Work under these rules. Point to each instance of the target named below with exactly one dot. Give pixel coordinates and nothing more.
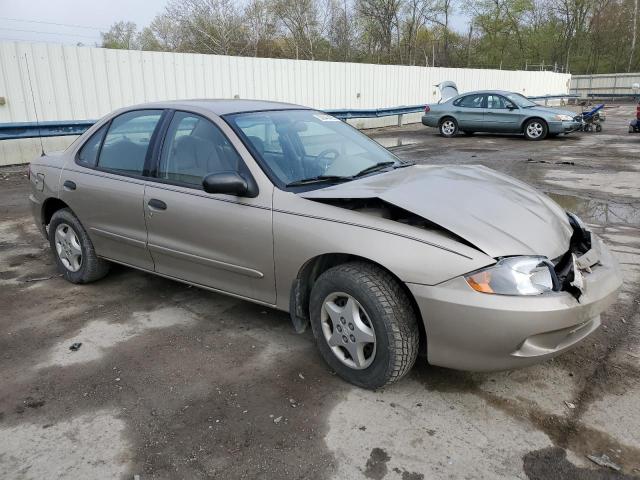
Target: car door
(218, 241)
(104, 186)
(501, 114)
(469, 111)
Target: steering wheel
(324, 155)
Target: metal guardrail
(375, 113)
(11, 131)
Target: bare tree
(260, 24)
(341, 28)
(382, 18)
(634, 35)
(300, 23)
(120, 35)
(213, 26)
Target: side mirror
(511, 107)
(230, 183)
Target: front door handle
(69, 185)
(155, 204)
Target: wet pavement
(174, 382)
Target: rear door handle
(155, 204)
(69, 185)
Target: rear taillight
(427, 109)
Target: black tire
(390, 312)
(448, 127)
(598, 127)
(468, 133)
(538, 126)
(92, 267)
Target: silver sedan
(498, 112)
(288, 207)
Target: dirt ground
(175, 382)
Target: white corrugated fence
(79, 83)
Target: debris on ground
(75, 346)
(301, 376)
(40, 279)
(604, 461)
(570, 405)
(277, 419)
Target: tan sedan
(291, 208)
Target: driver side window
(193, 148)
(498, 102)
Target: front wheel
(448, 127)
(535, 129)
(364, 324)
(73, 251)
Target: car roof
(498, 92)
(224, 106)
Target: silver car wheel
(68, 247)
(535, 129)
(448, 127)
(348, 330)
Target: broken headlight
(515, 276)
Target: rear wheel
(73, 251)
(535, 129)
(448, 127)
(364, 324)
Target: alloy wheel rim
(534, 129)
(68, 247)
(448, 127)
(348, 330)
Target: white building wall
(79, 83)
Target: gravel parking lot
(176, 382)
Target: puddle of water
(389, 142)
(598, 211)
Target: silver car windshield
(520, 100)
(300, 147)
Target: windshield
(305, 146)
(520, 100)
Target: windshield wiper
(405, 164)
(318, 179)
(374, 168)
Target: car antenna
(33, 99)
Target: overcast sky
(74, 21)
(80, 21)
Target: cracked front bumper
(474, 331)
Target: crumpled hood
(496, 213)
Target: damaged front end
(581, 256)
(535, 275)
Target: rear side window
(470, 101)
(88, 154)
(125, 146)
